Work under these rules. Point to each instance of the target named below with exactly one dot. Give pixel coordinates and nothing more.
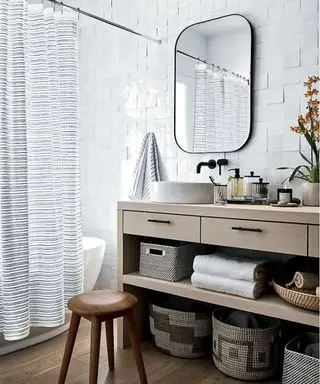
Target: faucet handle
(222, 162)
(212, 164)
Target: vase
(310, 194)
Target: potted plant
(309, 127)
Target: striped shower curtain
(221, 112)
(41, 263)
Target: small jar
(248, 181)
(260, 190)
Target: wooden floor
(40, 365)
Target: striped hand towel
(147, 168)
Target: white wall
(127, 90)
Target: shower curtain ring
(61, 7)
(78, 13)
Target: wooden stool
(98, 307)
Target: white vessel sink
(181, 192)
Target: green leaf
(315, 175)
(303, 178)
(298, 170)
(311, 141)
(284, 168)
(311, 124)
(305, 158)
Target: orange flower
(309, 122)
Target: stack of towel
(237, 276)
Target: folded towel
(222, 265)
(243, 288)
(147, 168)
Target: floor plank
(40, 364)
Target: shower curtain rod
(124, 28)
(214, 65)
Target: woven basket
(299, 368)
(299, 299)
(181, 333)
(167, 262)
(245, 353)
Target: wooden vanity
(293, 231)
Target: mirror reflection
(212, 85)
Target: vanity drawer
(176, 227)
(313, 241)
(258, 235)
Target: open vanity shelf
(270, 305)
(291, 231)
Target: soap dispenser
(235, 185)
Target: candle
(285, 195)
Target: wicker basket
(299, 368)
(167, 262)
(245, 353)
(181, 333)
(299, 299)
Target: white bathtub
(93, 254)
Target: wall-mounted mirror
(213, 85)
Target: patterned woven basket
(299, 299)
(180, 333)
(167, 262)
(299, 368)
(245, 353)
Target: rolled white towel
(222, 265)
(243, 288)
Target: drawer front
(313, 239)
(258, 235)
(176, 227)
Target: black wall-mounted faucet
(211, 164)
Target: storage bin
(299, 368)
(246, 353)
(172, 261)
(182, 332)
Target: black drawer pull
(247, 229)
(159, 221)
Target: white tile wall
(127, 90)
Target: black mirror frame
(251, 82)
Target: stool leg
(110, 344)
(135, 344)
(94, 349)
(72, 334)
